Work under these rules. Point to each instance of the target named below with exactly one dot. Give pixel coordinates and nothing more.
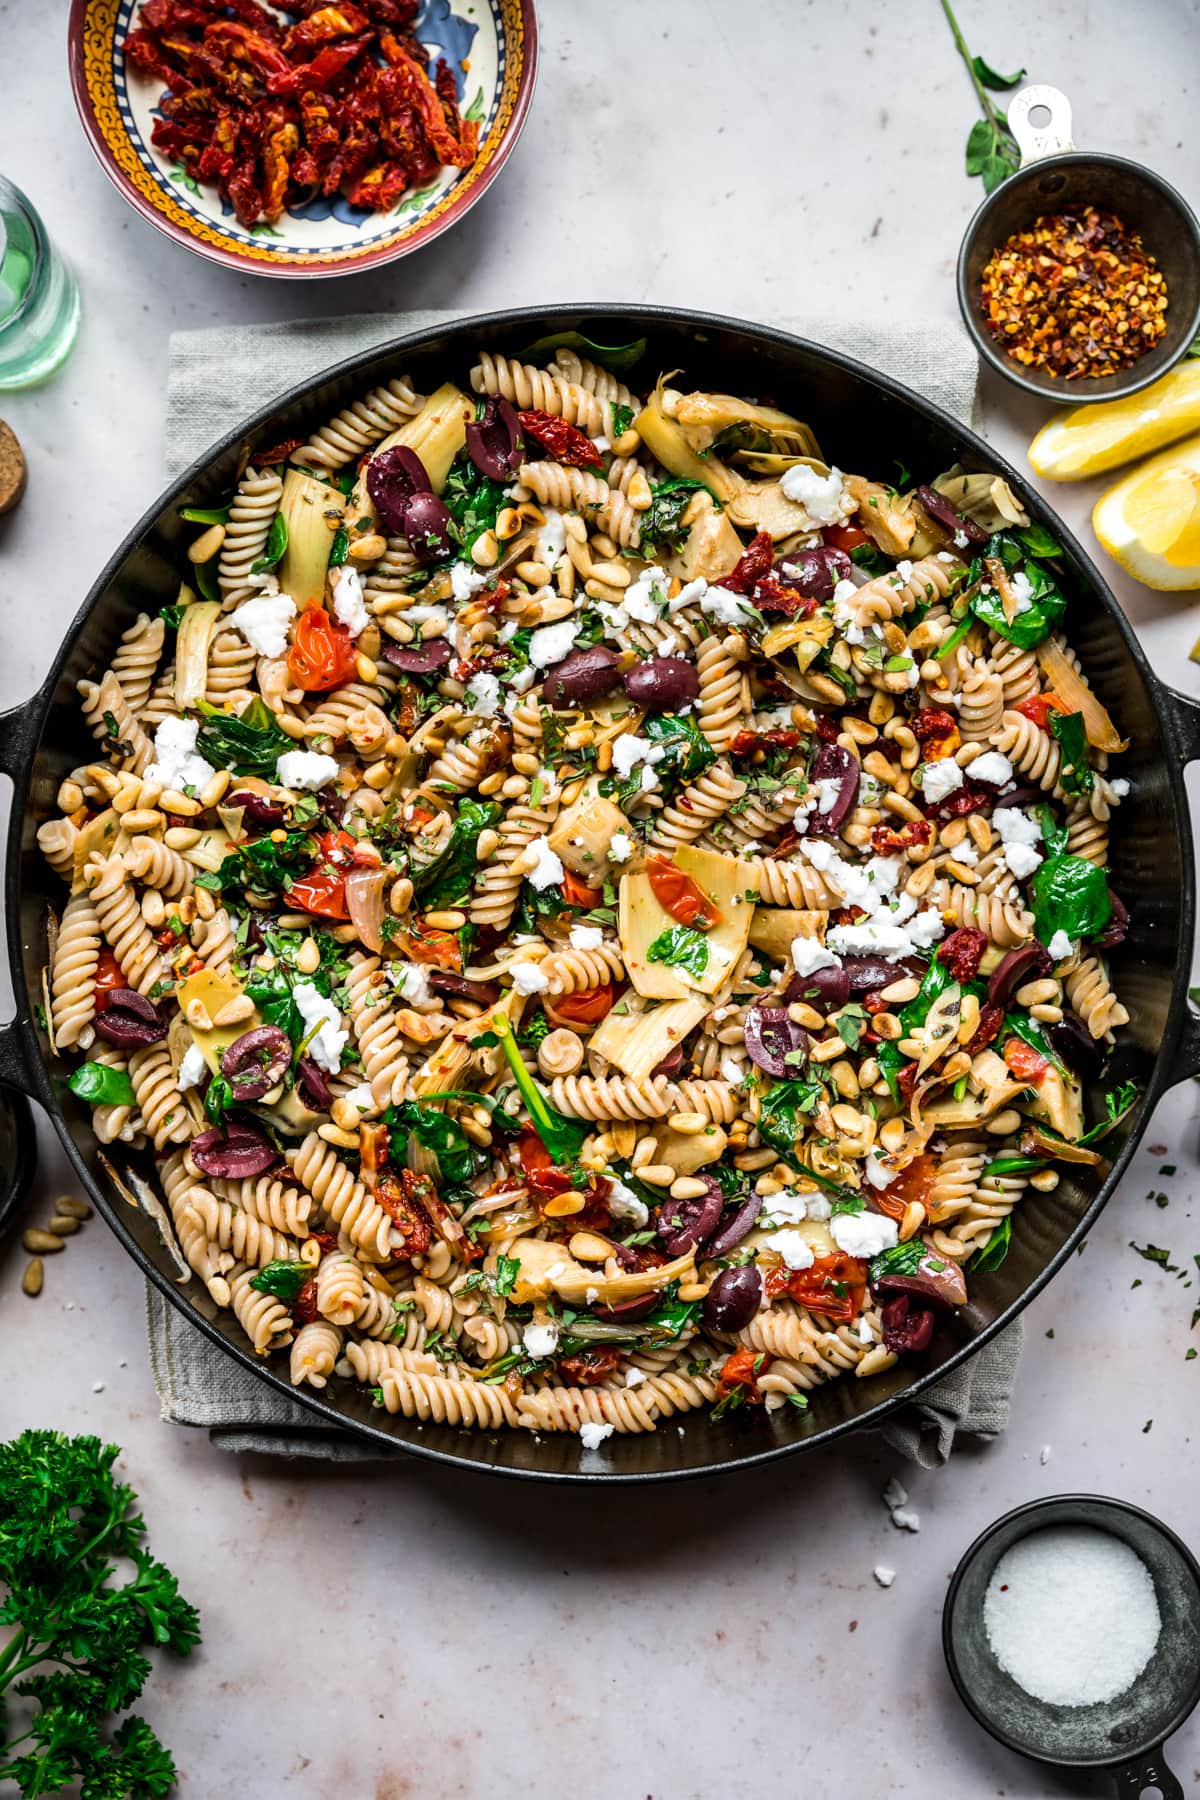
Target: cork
(12, 468)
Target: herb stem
(961, 46)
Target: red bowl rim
(316, 270)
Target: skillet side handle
(1184, 713)
(18, 741)
(1148, 1773)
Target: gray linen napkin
(216, 377)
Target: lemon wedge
(1091, 439)
(1150, 521)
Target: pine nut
(368, 671)
(41, 1243)
(143, 818)
(73, 1207)
(308, 957)
(891, 1134)
(486, 551)
(214, 788)
(235, 1010)
(182, 837)
(657, 1174)
(173, 801)
(367, 549)
(564, 1206)
(1037, 993)
(450, 920)
(887, 1026)
(693, 1290)
(206, 903)
(196, 1014)
(802, 1014)
(585, 1246)
(689, 1124)
(205, 547)
(62, 1226)
(153, 909)
(333, 1134)
(487, 844)
(1044, 1180)
(688, 1187)
(32, 1279)
(1047, 1015)
(900, 991)
(344, 1113)
(614, 573)
(911, 1223)
(70, 796)
(1001, 1123)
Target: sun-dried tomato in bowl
(341, 101)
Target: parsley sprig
(76, 1648)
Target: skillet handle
(1184, 714)
(18, 741)
(1146, 1774)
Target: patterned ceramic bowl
(496, 38)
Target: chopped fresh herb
(847, 1203)
(101, 1086)
(503, 1278)
(991, 151)
(340, 549)
(622, 419)
(850, 1024)
(1075, 775)
(662, 526)
(1156, 1254)
(680, 947)
(283, 1280)
(995, 1250)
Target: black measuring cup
(1122, 1737)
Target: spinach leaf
(781, 1110)
(248, 743)
(994, 1251)
(276, 544)
(1116, 1106)
(172, 616)
(1019, 1024)
(474, 499)
(1054, 835)
(218, 1099)
(281, 1279)
(1070, 894)
(1035, 540)
(437, 1132)
(622, 419)
(1076, 771)
(341, 547)
(1047, 601)
(205, 577)
(662, 522)
(686, 754)
(261, 866)
(869, 558)
(1012, 1165)
(447, 879)
(271, 992)
(101, 1086)
(205, 515)
(847, 1203)
(900, 1259)
(620, 358)
(682, 948)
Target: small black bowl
(1055, 178)
(1125, 1735)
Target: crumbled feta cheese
(649, 780)
(551, 539)
(864, 1233)
(793, 1247)
(897, 934)
(991, 767)
(528, 978)
(465, 581)
(863, 1329)
(961, 540)
(1060, 947)
(349, 609)
(540, 1340)
(593, 1435)
(878, 1172)
(551, 643)
(410, 980)
(620, 849)
(624, 1204)
(634, 1377)
(819, 1207)
(883, 1575)
(602, 444)
(360, 1097)
(483, 690)
(939, 779)
(629, 750)
(906, 1518)
(1022, 589)
(731, 609)
(1022, 860)
(591, 1295)
(586, 937)
(322, 1019)
(192, 1068)
(688, 595)
(518, 684)
(547, 870)
(823, 497)
(966, 853)
(843, 615)
(1012, 826)
(895, 1494)
(788, 1208)
(904, 570)
(809, 954)
(264, 621)
(306, 769)
(644, 597)
(870, 789)
(177, 763)
(1119, 787)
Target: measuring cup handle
(1038, 141)
(1134, 1778)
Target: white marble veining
(410, 1633)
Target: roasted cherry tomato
(542, 1174)
(109, 975)
(322, 655)
(304, 1306)
(432, 944)
(1026, 1063)
(833, 1285)
(843, 537)
(678, 894)
(913, 1183)
(1038, 707)
(402, 1201)
(323, 889)
(576, 892)
(587, 1007)
(741, 1370)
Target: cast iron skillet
(866, 422)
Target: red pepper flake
(565, 443)
(1077, 295)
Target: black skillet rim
(568, 316)
(1028, 1509)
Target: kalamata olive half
(427, 528)
(1073, 1042)
(236, 1151)
(671, 1063)
(312, 1086)
(1117, 929)
(935, 1282)
(662, 684)
(736, 1223)
(494, 441)
(945, 515)
(733, 1299)
(581, 676)
(256, 1061)
(866, 974)
(834, 763)
(393, 477)
(771, 1038)
(128, 1020)
(905, 1326)
(814, 573)
(685, 1224)
(1028, 963)
(418, 659)
(627, 1312)
(270, 814)
(826, 988)
(443, 981)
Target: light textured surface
(719, 1639)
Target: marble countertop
(417, 1634)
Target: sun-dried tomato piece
(773, 595)
(962, 952)
(886, 842)
(323, 25)
(932, 722)
(588, 1368)
(991, 1017)
(753, 564)
(969, 798)
(401, 1201)
(304, 1306)
(564, 442)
